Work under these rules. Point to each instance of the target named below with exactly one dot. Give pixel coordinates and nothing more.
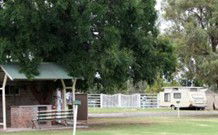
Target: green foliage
(138, 87)
(210, 71)
(117, 39)
(195, 32)
(156, 87)
(159, 83)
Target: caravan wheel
(173, 107)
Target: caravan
(183, 97)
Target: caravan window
(166, 97)
(176, 89)
(177, 95)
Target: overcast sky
(163, 24)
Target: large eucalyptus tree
(116, 38)
(194, 28)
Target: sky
(158, 4)
(163, 24)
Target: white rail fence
(123, 101)
(94, 100)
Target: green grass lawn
(141, 126)
(120, 110)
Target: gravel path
(154, 114)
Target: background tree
(195, 31)
(117, 39)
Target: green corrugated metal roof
(47, 71)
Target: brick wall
(22, 116)
(24, 98)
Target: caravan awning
(47, 71)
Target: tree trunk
(214, 43)
(216, 84)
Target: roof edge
(8, 75)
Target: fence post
(139, 100)
(158, 100)
(101, 100)
(119, 100)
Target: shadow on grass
(109, 123)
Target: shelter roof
(47, 71)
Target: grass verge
(122, 110)
(141, 126)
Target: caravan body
(183, 97)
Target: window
(175, 89)
(166, 97)
(11, 91)
(177, 95)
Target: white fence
(94, 100)
(123, 101)
(149, 101)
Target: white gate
(94, 100)
(130, 101)
(120, 100)
(110, 100)
(124, 101)
(149, 101)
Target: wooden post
(75, 111)
(178, 109)
(158, 100)
(101, 100)
(75, 107)
(74, 89)
(64, 95)
(4, 103)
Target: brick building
(21, 98)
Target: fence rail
(94, 100)
(123, 101)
